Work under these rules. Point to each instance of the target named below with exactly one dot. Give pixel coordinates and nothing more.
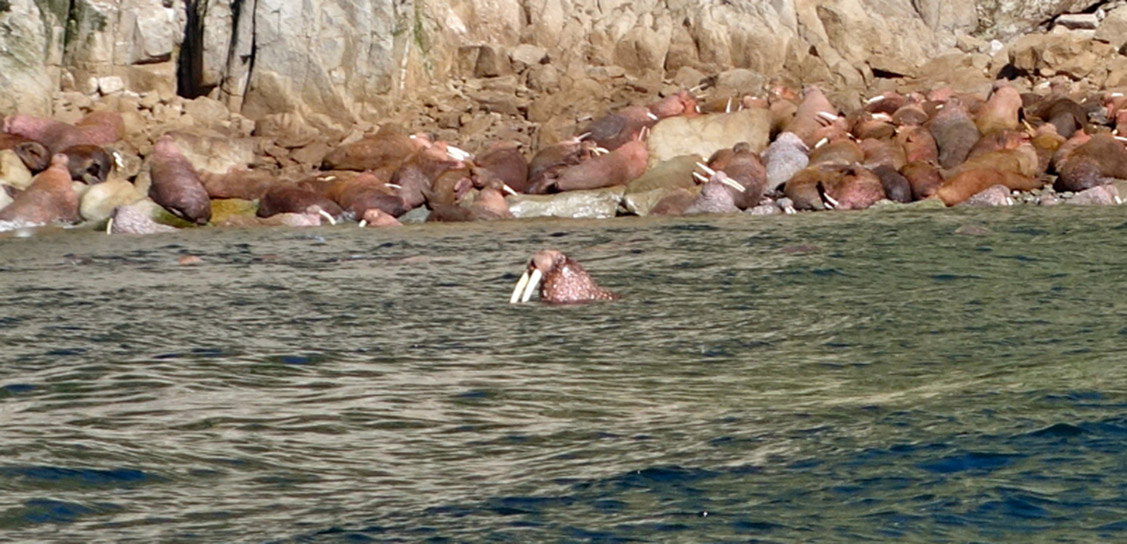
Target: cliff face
(345, 60)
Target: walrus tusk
(457, 153)
(363, 223)
(395, 186)
(328, 178)
(701, 177)
(328, 216)
(109, 226)
(821, 142)
(728, 107)
(519, 289)
(510, 190)
(697, 107)
(118, 160)
(875, 99)
(882, 117)
(1029, 128)
(827, 116)
(833, 204)
(533, 285)
(1120, 138)
(581, 136)
(939, 106)
(600, 150)
(651, 115)
(723, 178)
(705, 167)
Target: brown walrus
(294, 199)
(1091, 163)
(176, 185)
(49, 198)
(615, 168)
(98, 128)
(90, 164)
(559, 280)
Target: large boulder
(594, 204)
(704, 134)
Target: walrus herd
(955, 147)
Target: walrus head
(558, 280)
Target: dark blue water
(834, 377)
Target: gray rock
(995, 195)
(1086, 21)
(1100, 195)
(596, 204)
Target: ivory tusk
(827, 116)
(833, 204)
(533, 284)
(723, 178)
(109, 226)
(821, 143)
(1121, 138)
(882, 117)
(395, 186)
(601, 150)
(651, 115)
(728, 107)
(705, 167)
(509, 190)
(328, 216)
(582, 136)
(875, 99)
(701, 177)
(363, 223)
(519, 289)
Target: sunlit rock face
(338, 61)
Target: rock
(1066, 53)
(595, 204)
(13, 171)
(212, 152)
(764, 209)
(670, 174)
(207, 112)
(1074, 21)
(703, 135)
(1113, 29)
(417, 215)
(110, 85)
(226, 208)
(98, 202)
(1100, 195)
(286, 129)
(1006, 18)
(740, 81)
(28, 44)
(526, 55)
(995, 195)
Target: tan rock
(703, 135)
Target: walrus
(923, 177)
(504, 162)
(812, 114)
(615, 168)
(239, 182)
(384, 149)
(970, 182)
(715, 197)
(1002, 111)
(98, 128)
(955, 133)
(489, 205)
(786, 156)
(918, 144)
(1090, 164)
(896, 187)
(365, 192)
(176, 185)
(886, 151)
(839, 151)
(416, 176)
(132, 220)
(50, 198)
(90, 164)
(743, 166)
(615, 129)
(34, 155)
(558, 279)
(294, 199)
(834, 186)
(551, 159)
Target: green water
(923, 376)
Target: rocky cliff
(339, 61)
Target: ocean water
(907, 376)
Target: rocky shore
(1029, 119)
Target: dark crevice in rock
(1010, 72)
(189, 65)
